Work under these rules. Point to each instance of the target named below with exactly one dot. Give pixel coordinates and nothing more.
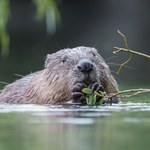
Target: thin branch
(134, 91)
(126, 45)
(123, 64)
(118, 49)
(134, 94)
(124, 39)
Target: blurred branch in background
(48, 9)
(4, 37)
(126, 49)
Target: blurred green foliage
(46, 9)
(4, 37)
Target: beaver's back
(13, 93)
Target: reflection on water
(32, 127)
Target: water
(124, 126)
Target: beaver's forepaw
(77, 95)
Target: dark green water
(125, 126)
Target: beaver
(65, 73)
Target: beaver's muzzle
(85, 65)
(87, 72)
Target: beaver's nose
(85, 65)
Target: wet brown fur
(54, 83)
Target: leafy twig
(93, 97)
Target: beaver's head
(70, 66)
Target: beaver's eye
(64, 59)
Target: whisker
(116, 64)
(110, 58)
(95, 44)
(5, 83)
(18, 75)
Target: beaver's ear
(48, 58)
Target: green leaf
(94, 99)
(87, 100)
(91, 100)
(87, 91)
(92, 96)
(101, 101)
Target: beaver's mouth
(87, 80)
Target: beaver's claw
(97, 87)
(77, 95)
(112, 100)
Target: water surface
(124, 126)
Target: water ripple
(6, 108)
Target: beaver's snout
(85, 65)
(86, 72)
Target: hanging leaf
(4, 37)
(47, 9)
